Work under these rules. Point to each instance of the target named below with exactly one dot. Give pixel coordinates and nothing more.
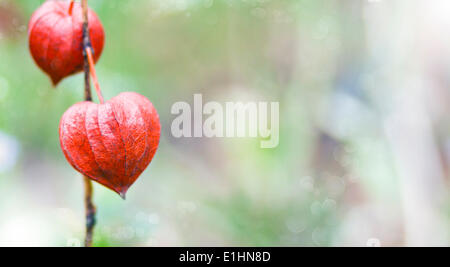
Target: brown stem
(88, 191)
(90, 211)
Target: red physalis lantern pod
(55, 34)
(111, 143)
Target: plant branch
(90, 211)
(86, 44)
(88, 190)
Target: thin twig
(90, 211)
(88, 191)
(86, 43)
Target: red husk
(56, 38)
(111, 143)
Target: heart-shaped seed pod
(111, 143)
(55, 34)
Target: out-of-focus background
(364, 153)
